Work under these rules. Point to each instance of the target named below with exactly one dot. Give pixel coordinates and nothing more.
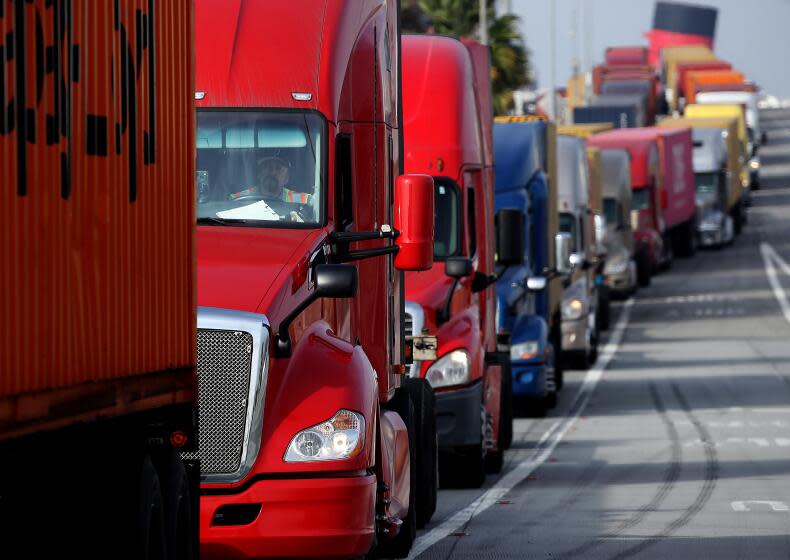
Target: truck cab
(749, 100)
(620, 268)
(308, 429)
(447, 130)
(523, 293)
(647, 217)
(577, 229)
(712, 179)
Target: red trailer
(633, 55)
(309, 443)
(662, 177)
(97, 280)
(447, 130)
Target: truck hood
(239, 266)
(428, 288)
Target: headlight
(572, 309)
(754, 164)
(615, 266)
(340, 437)
(450, 369)
(524, 350)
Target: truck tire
(604, 311)
(643, 273)
(506, 406)
(400, 545)
(150, 541)
(424, 401)
(737, 219)
(556, 342)
(177, 508)
(464, 467)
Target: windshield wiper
(217, 221)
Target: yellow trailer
(671, 57)
(714, 111)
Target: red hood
(428, 288)
(239, 266)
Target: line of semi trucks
(381, 276)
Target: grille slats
(408, 324)
(224, 372)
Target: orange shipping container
(97, 287)
(704, 77)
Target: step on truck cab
(308, 441)
(577, 230)
(528, 296)
(620, 268)
(97, 291)
(447, 130)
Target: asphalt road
(677, 443)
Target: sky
(754, 35)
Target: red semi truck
(97, 280)
(662, 178)
(310, 430)
(448, 134)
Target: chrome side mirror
(536, 283)
(562, 250)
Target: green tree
(510, 64)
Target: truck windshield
(447, 208)
(641, 199)
(706, 182)
(260, 168)
(610, 211)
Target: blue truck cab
(523, 308)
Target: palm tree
(510, 65)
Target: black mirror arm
(282, 338)
(443, 314)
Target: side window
(471, 220)
(344, 208)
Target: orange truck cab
(448, 134)
(309, 427)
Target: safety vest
(288, 195)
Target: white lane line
(783, 442)
(771, 257)
(546, 446)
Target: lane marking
(775, 505)
(546, 445)
(772, 258)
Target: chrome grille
(408, 324)
(224, 369)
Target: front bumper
(529, 379)
(710, 237)
(574, 334)
(620, 282)
(458, 418)
(299, 518)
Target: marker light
(199, 95)
(301, 96)
(340, 437)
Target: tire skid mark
(671, 475)
(706, 491)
